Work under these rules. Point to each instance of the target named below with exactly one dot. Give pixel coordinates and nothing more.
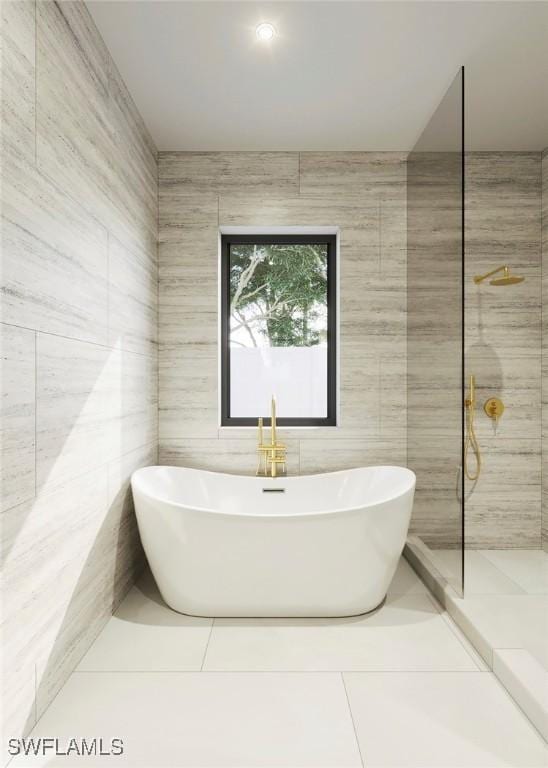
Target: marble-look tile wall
(434, 340)
(502, 333)
(362, 193)
(545, 349)
(79, 343)
(503, 346)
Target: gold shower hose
(471, 440)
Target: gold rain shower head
(506, 279)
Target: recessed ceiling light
(265, 31)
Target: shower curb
(516, 669)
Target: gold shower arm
(481, 278)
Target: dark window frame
(227, 240)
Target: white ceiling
(338, 76)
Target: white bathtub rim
(137, 485)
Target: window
(278, 329)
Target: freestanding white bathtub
(316, 545)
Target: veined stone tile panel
(177, 325)
(130, 126)
(544, 207)
(188, 219)
(358, 340)
(46, 544)
(54, 275)
(195, 284)
(74, 139)
(359, 222)
(230, 172)
(323, 456)
(87, 610)
(76, 384)
(129, 561)
(495, 178)
(376, 175)
(367, 261)
(133, 298)
(194, 258)
(436, 462)
(393, 396)
(231, 456)
(505, 229)
(188, 394)
(189, 296)
(505, 501)
(437, 227)
(89, 172)
(437, 519)
(18, 413)
(434, 376)
(516, 526)
(520, 418)
(510, 323)
(134, 403)
(135, 167)
(374, 308)
(18, 78)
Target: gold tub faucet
(271, 455)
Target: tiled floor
(506, 596)
(504, 613)
(399, 687)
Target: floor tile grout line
(352, 718)
(207, 645)
(318, 671)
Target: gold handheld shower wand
(470, 439)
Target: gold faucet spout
(271, 455)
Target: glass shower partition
(435, 337)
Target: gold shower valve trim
(494, 408)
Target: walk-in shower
(474, 391)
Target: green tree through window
(278, 294)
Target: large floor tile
(145, 635)
(440, 720)
(526, 567)
(406, 633)
(406, 581)
(200, 720)
(527, 682)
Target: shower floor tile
(481, 576)
(507, 621)
(440, 720)
(526, 567)
(406, 633)
(208, 720)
